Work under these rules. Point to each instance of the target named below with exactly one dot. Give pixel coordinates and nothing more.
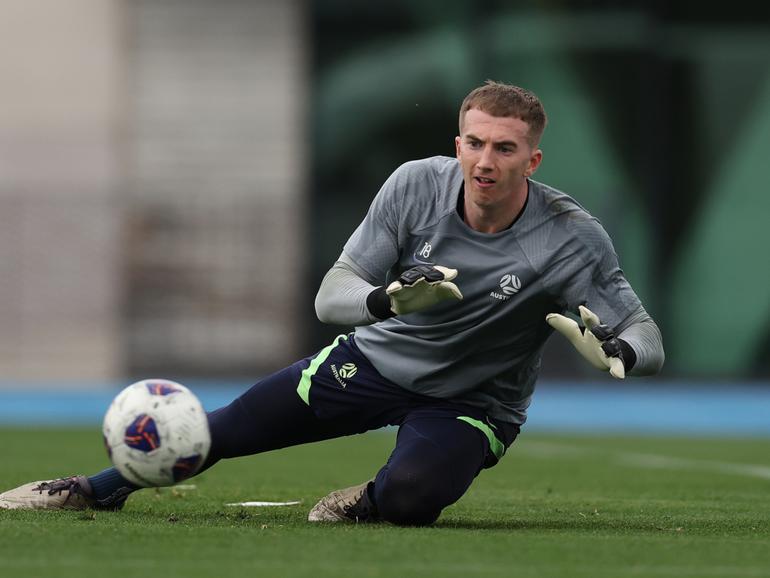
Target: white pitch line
(667, 462)
(548, 449)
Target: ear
(534, 162)
(457, 146)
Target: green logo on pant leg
(348, 370)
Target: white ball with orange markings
(156, 433)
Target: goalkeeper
(454, 280)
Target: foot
(73, 493)
(348, 505)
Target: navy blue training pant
(440, 448)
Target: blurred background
(176, 176)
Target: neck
(494, 218)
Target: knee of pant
(408, 498)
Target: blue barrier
(718, 409)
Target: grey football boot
(348, 505)
(73, 493)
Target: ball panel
(186, 467)
(162, 387)
(142, 434)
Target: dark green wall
(659, 124)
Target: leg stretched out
(270, 415)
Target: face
(496, 158)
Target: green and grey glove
(421, 287)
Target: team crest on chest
(508, 287)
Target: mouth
(484, 182)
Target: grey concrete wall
(61, 65)
(217, 171)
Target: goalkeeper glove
(597, 343)
(421, 287)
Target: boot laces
(71, 484)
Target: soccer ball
(156, 433)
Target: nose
(485, 159)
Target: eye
(474, 144)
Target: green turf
(555, 506)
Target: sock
(107, 482)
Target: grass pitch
(555, 506)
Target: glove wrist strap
(378, 304)
(628, 354)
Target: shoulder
(569, 219)
(434, 170)
(556, 203)
(428, 185)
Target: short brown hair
(500, 99)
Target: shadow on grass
(590, 524)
